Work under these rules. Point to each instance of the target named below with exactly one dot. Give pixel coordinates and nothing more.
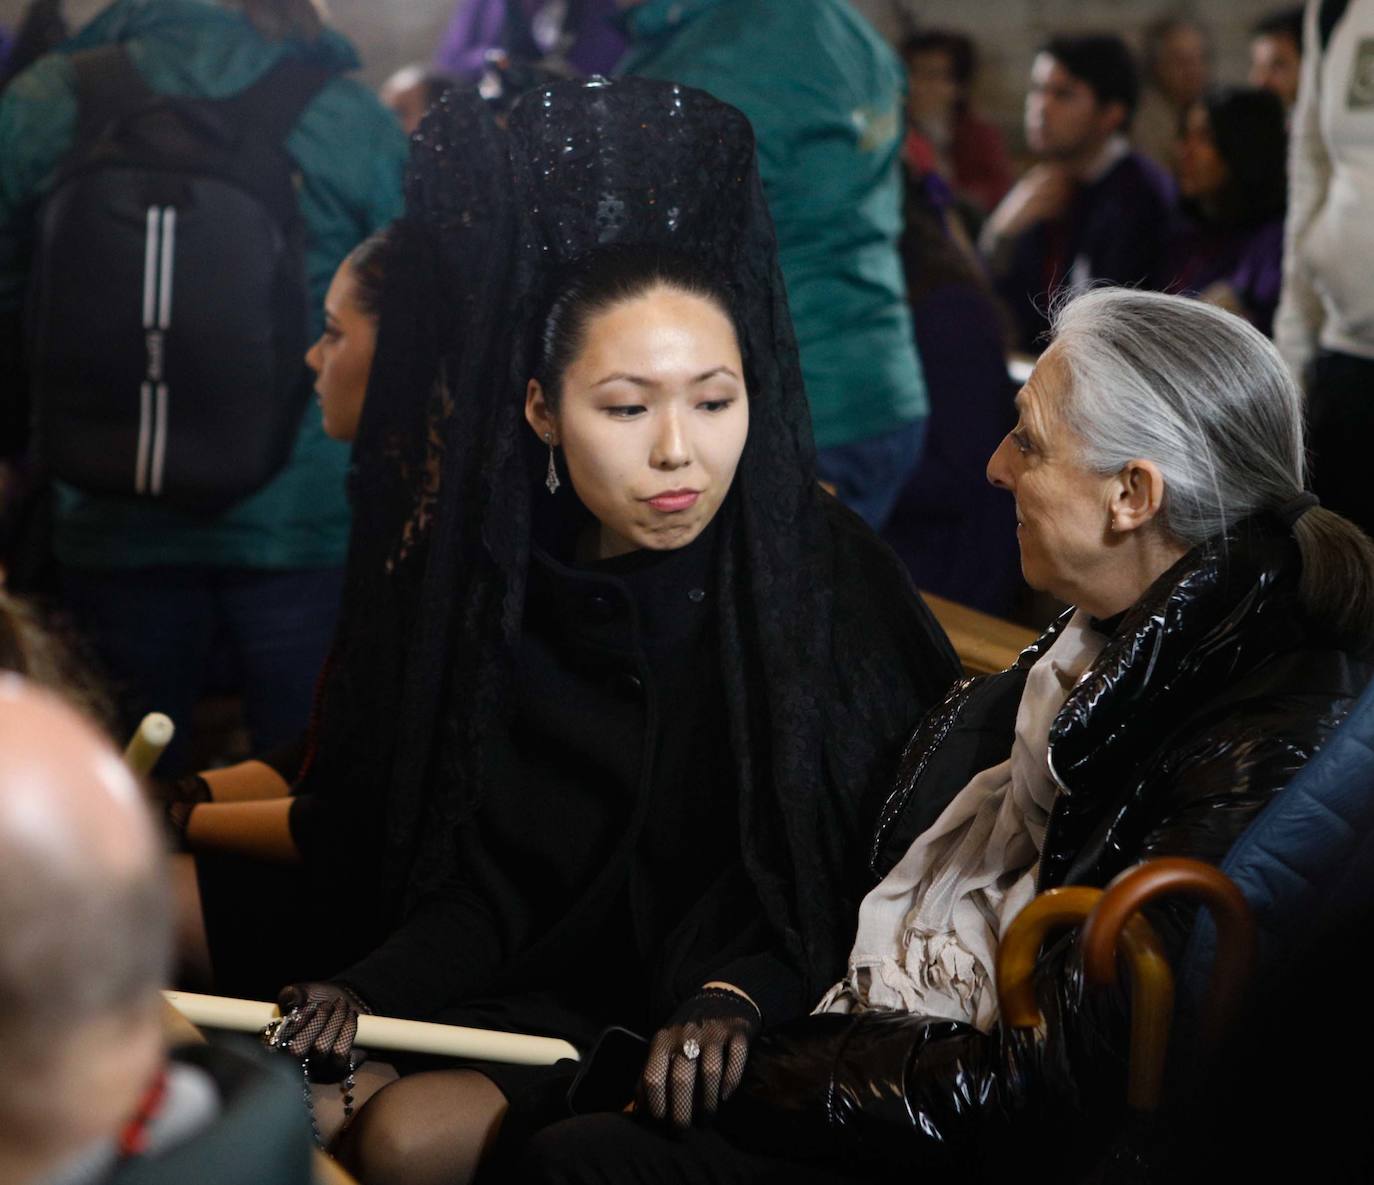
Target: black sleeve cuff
(286, 759)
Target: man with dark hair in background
(1091, 209)
(1276, 54)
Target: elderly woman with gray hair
(1221, 626)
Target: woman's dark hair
(1249, 129)
(370, 261)
(601, 280)
(963, 57)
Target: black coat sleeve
(446, 947)
(884, 1090)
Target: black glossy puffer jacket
(1213, 690)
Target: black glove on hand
(697, 1059)
(177, 800)
(319, 1024)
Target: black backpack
(167, 314)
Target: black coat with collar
(610, 876)
(616, 814)
(1211, 693)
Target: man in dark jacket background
(1091, 209)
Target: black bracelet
(191, 790)
(719, 993)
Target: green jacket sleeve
(37, 127)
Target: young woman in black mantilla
(660, 678)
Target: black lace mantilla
(820, 682)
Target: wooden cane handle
(1167, 876)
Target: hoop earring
(551, 481)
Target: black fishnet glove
(319, 1025)
(716, 1025)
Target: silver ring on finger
(691, 1049)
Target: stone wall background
(390, 33)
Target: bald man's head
(84, 914)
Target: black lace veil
(439, 338)
(815, 694)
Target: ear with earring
(551, 481)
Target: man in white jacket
(1325, 322)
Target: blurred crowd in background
(1137, 165)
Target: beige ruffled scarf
(928, 934)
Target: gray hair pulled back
(1207, 398)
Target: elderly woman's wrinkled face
(652, 419)
(1063, 510)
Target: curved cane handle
(1020, 948)
(1152, 1010)
(1158, 878)
(1152, 980)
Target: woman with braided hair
(621, 727)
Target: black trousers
(1340, 423)
(620, 1150)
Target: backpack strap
(1328, 16)
(108, 88)
(270, 107)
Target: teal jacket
(825, 94)
(351, 154)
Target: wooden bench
(984, 643)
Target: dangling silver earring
(552, 479)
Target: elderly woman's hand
(697, 1059)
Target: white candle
(386, 1032)
(151, 737)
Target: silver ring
(691, 1049)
